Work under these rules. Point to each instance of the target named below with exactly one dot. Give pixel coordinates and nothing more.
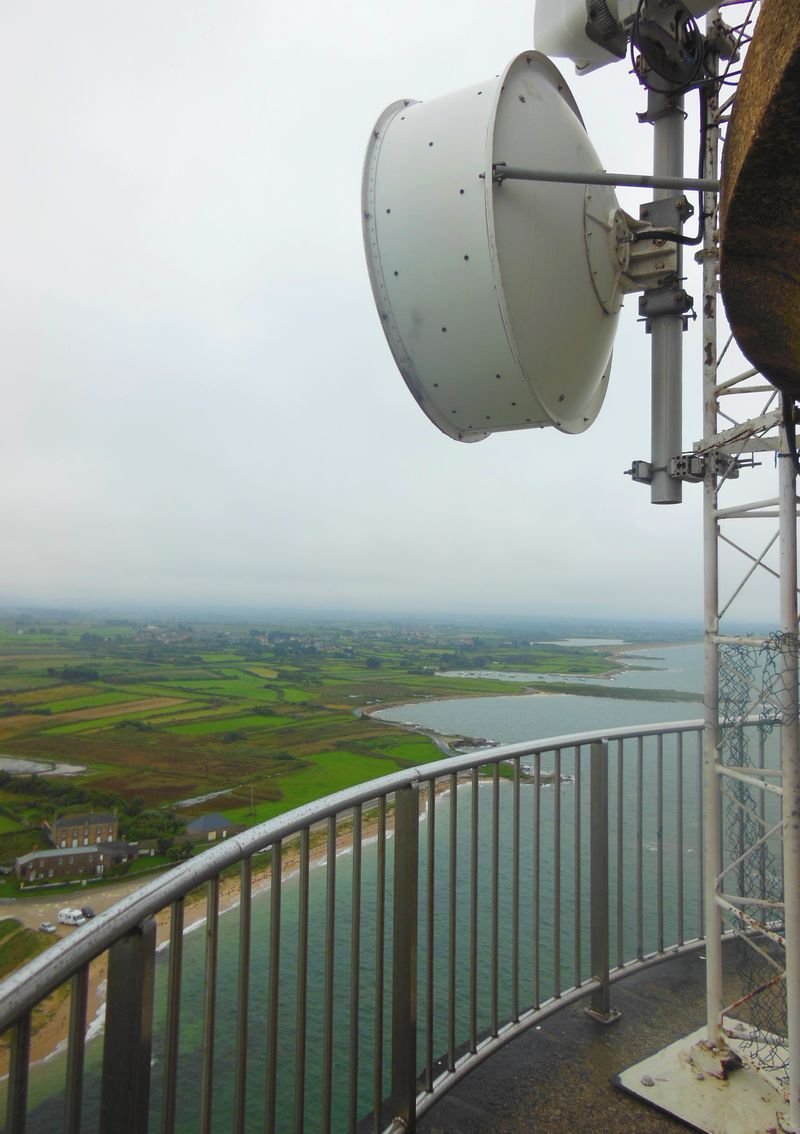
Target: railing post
(600, 1008)
(129, 1031)
(17, 1097)
(404, 957)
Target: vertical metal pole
(600, 1008)
(666, 330)
(380, 962)
(452, 923)
(404, 968)
(577, 823)
(172, 1028)
(515, 872)
(473, 928)
(495, 930)
(17, 1096)
(129, 1031)
(355, 967)
(639, 848)
(679, 856)
(243, 1014)
(209, 1004)
(712, 798)
(302, 984)
(273, 1014)
(557, 873)
(76, 1051)
(790, 764)
(536, 927)
(430, 936)
(329, 979)
(621, 879)
(660, 841)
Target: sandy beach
(51, 1019)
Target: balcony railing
(399, 933)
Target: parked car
(71, 917)
(47, 927)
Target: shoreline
(49, 1035)
(456, 744)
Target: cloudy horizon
(201, 406)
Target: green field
(89, 702)
(330, 772)
(226, 724)
(270, 715)
(18, 945)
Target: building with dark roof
(210, 827)
(69, 862)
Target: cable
(668, 234)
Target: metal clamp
(641, 472)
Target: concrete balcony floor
(558, 1078)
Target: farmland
(272, 716)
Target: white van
(71, 917)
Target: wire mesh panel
(751, 681)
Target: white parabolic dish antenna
(498, 308)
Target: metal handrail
(609, 773)
(38, 978)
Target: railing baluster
(557, 874)
(328, 988)
(430, 908)
(452, 929)
(209, 1004)
(537, 888)
(620, 854)
(380, 957)
(660, 841)
(701, 921)
(17, 1100)
(125, 1090)
(515, 872)
(577, 932)
(76, 1045)
(495, 917)
(639, 849)
(473, 921)
(404, 968)
(172, 1028)
(355, 970)
(242, 1021)
(679, 836)
(600, 1008)
(273, 1010)
(302, 986)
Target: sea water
(504, 719)
(519, 717)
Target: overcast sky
(200, 406)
